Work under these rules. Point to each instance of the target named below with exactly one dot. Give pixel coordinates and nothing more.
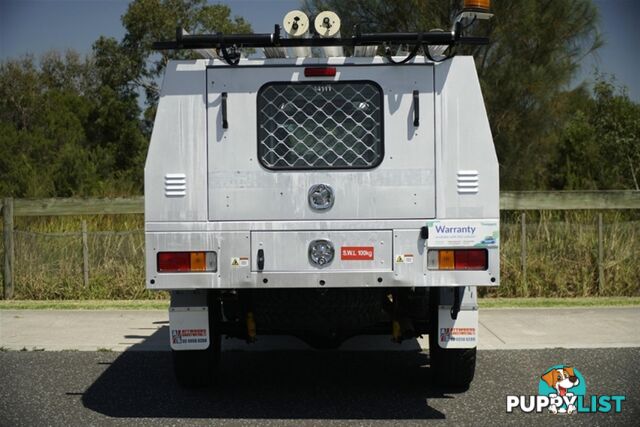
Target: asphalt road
(300, 388)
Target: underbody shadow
(275, 384)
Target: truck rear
(322, 197)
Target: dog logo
(565, 383)
(563, 390)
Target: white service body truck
(323, 198)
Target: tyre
(450, 367)
(198, 368)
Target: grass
(84, 304)
(164, 305)
(562, 255)
(558, 302)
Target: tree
(42, 116)
(535, 50)
(73, 126)
(65, 132)
(599, 147)
(134, 62)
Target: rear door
(351, 138)
(288, 251)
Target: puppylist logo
(563, 390)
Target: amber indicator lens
(483, 5)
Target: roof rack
(220, 40)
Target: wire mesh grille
(335, 125)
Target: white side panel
(175, 175)
(466, 162)
(402, 186)
(409, 257)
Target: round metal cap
(321, 252)
(321, 197)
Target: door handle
(260, 259)
(416, 108)
(225, 123)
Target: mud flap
(458, 318)
(189, 322)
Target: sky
(36, 26)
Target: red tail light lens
(174, 261)
(320, 72)
(470, 259)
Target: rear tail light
(184, 262)
(457, 259)
(320, 72)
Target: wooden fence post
(600, 254)
(9, 256)
(523, 254)
(85, 255)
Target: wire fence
(561, 259)
(52, 265)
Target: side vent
(175, 185)
(468, 182)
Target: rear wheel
(197, 368)
(450, 367)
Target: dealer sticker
(356, 253)
(461, 332)
(189, 328)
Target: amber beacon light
(478, 5)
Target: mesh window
(335, 125)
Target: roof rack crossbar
(217, 41)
